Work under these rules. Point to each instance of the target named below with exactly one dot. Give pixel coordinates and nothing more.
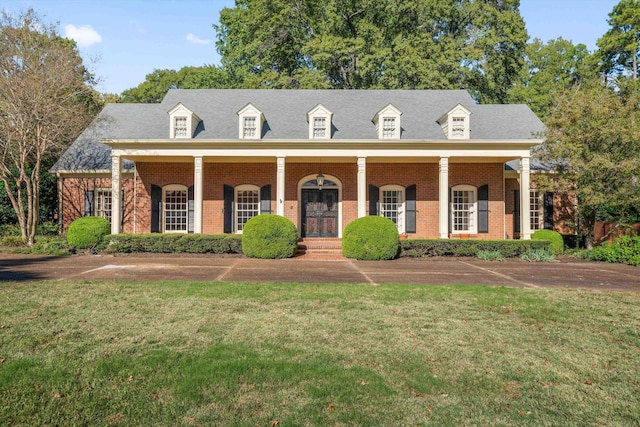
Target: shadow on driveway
(24, 268)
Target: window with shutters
(464, 216)
(247, 201)
(392, 205)
(103, 203)
(536, 212)
(175, 209)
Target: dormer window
(250, 122)
(319, 119)
(455, 123)
(387, 122)
(183, 122)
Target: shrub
(623, 250)
(371, 238)
(537, 255)
(9, 230)
(87, 232)
(557, 242)
(418, 248)
(490, 256)
(173, 243)
(48, 228)
(269, 236)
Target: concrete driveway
(146, 267)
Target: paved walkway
(568, 273)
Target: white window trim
(244, 187)
(473, 210)
(539, 196)
(174, 187)
(180, 111)
(250, 111)
(401, 222)
(457, 112)
(388, 112)
(320, 112)
(102, 193)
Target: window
(180, 127)
(392, 205)
(249, 129)
(176, 209)
(103, 203)
(457, 127)
(463, 210)
(247, 199)
(389, 127)
(319, 127)
(536, 213)
(387, 122)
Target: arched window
(247, 202)
(464, 212)
(392, 200)
(175, 209)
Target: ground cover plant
(176, 353)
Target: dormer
(456, 123)
(183, 122)
(250, 121)
(319, 119)
(387, 122)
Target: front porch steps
(320, 248)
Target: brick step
(313, 244)
(320, 249)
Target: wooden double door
(319, 213)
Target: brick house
(206, 161)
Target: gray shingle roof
(285, 112)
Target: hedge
(417, 248)
(173, 243)
(269, 236)
(370, 238)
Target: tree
(359, 44)
(548, 69)
(593, 141)
(46, 100)
(619, 48)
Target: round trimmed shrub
(557, 243)
(87, 232)
(269, 236)
(371, 238)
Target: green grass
(241, 354)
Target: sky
(124, 40)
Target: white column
(116, 164)
(525, 207)
(443, 198)
(197, 195)
(280, 186)
(362, 187)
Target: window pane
(180, 127)
(249, 129)
(536, 207)
(175, 210)
(103, 203)
(391, 205)
(319, 127)
(462, 206)
(457, 128)
(247, 206)
(389, 127)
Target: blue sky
(127, 39)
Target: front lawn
(105, 353)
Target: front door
(319, 213)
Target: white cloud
(84, 35)
(196, 40)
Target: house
(206, 161)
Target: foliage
(87, 232)
(624, 250)
(45, 245)
(370, 238)
(360, 44)
(619, 50)
(557, 242)
(537, 255)
(46, 100)
(269, 236)
(172, 243)
(548, 69)
(593, 143)
(454, 247)
(490, 255)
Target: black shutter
(449, 211)
(516, 211)
(374, 197)
(265, 199)
(228, 209)
(121, 208)
(88, 203)
(483, 209)
(548, 210)
(156, 208)
(410, 194)
(191, 206)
